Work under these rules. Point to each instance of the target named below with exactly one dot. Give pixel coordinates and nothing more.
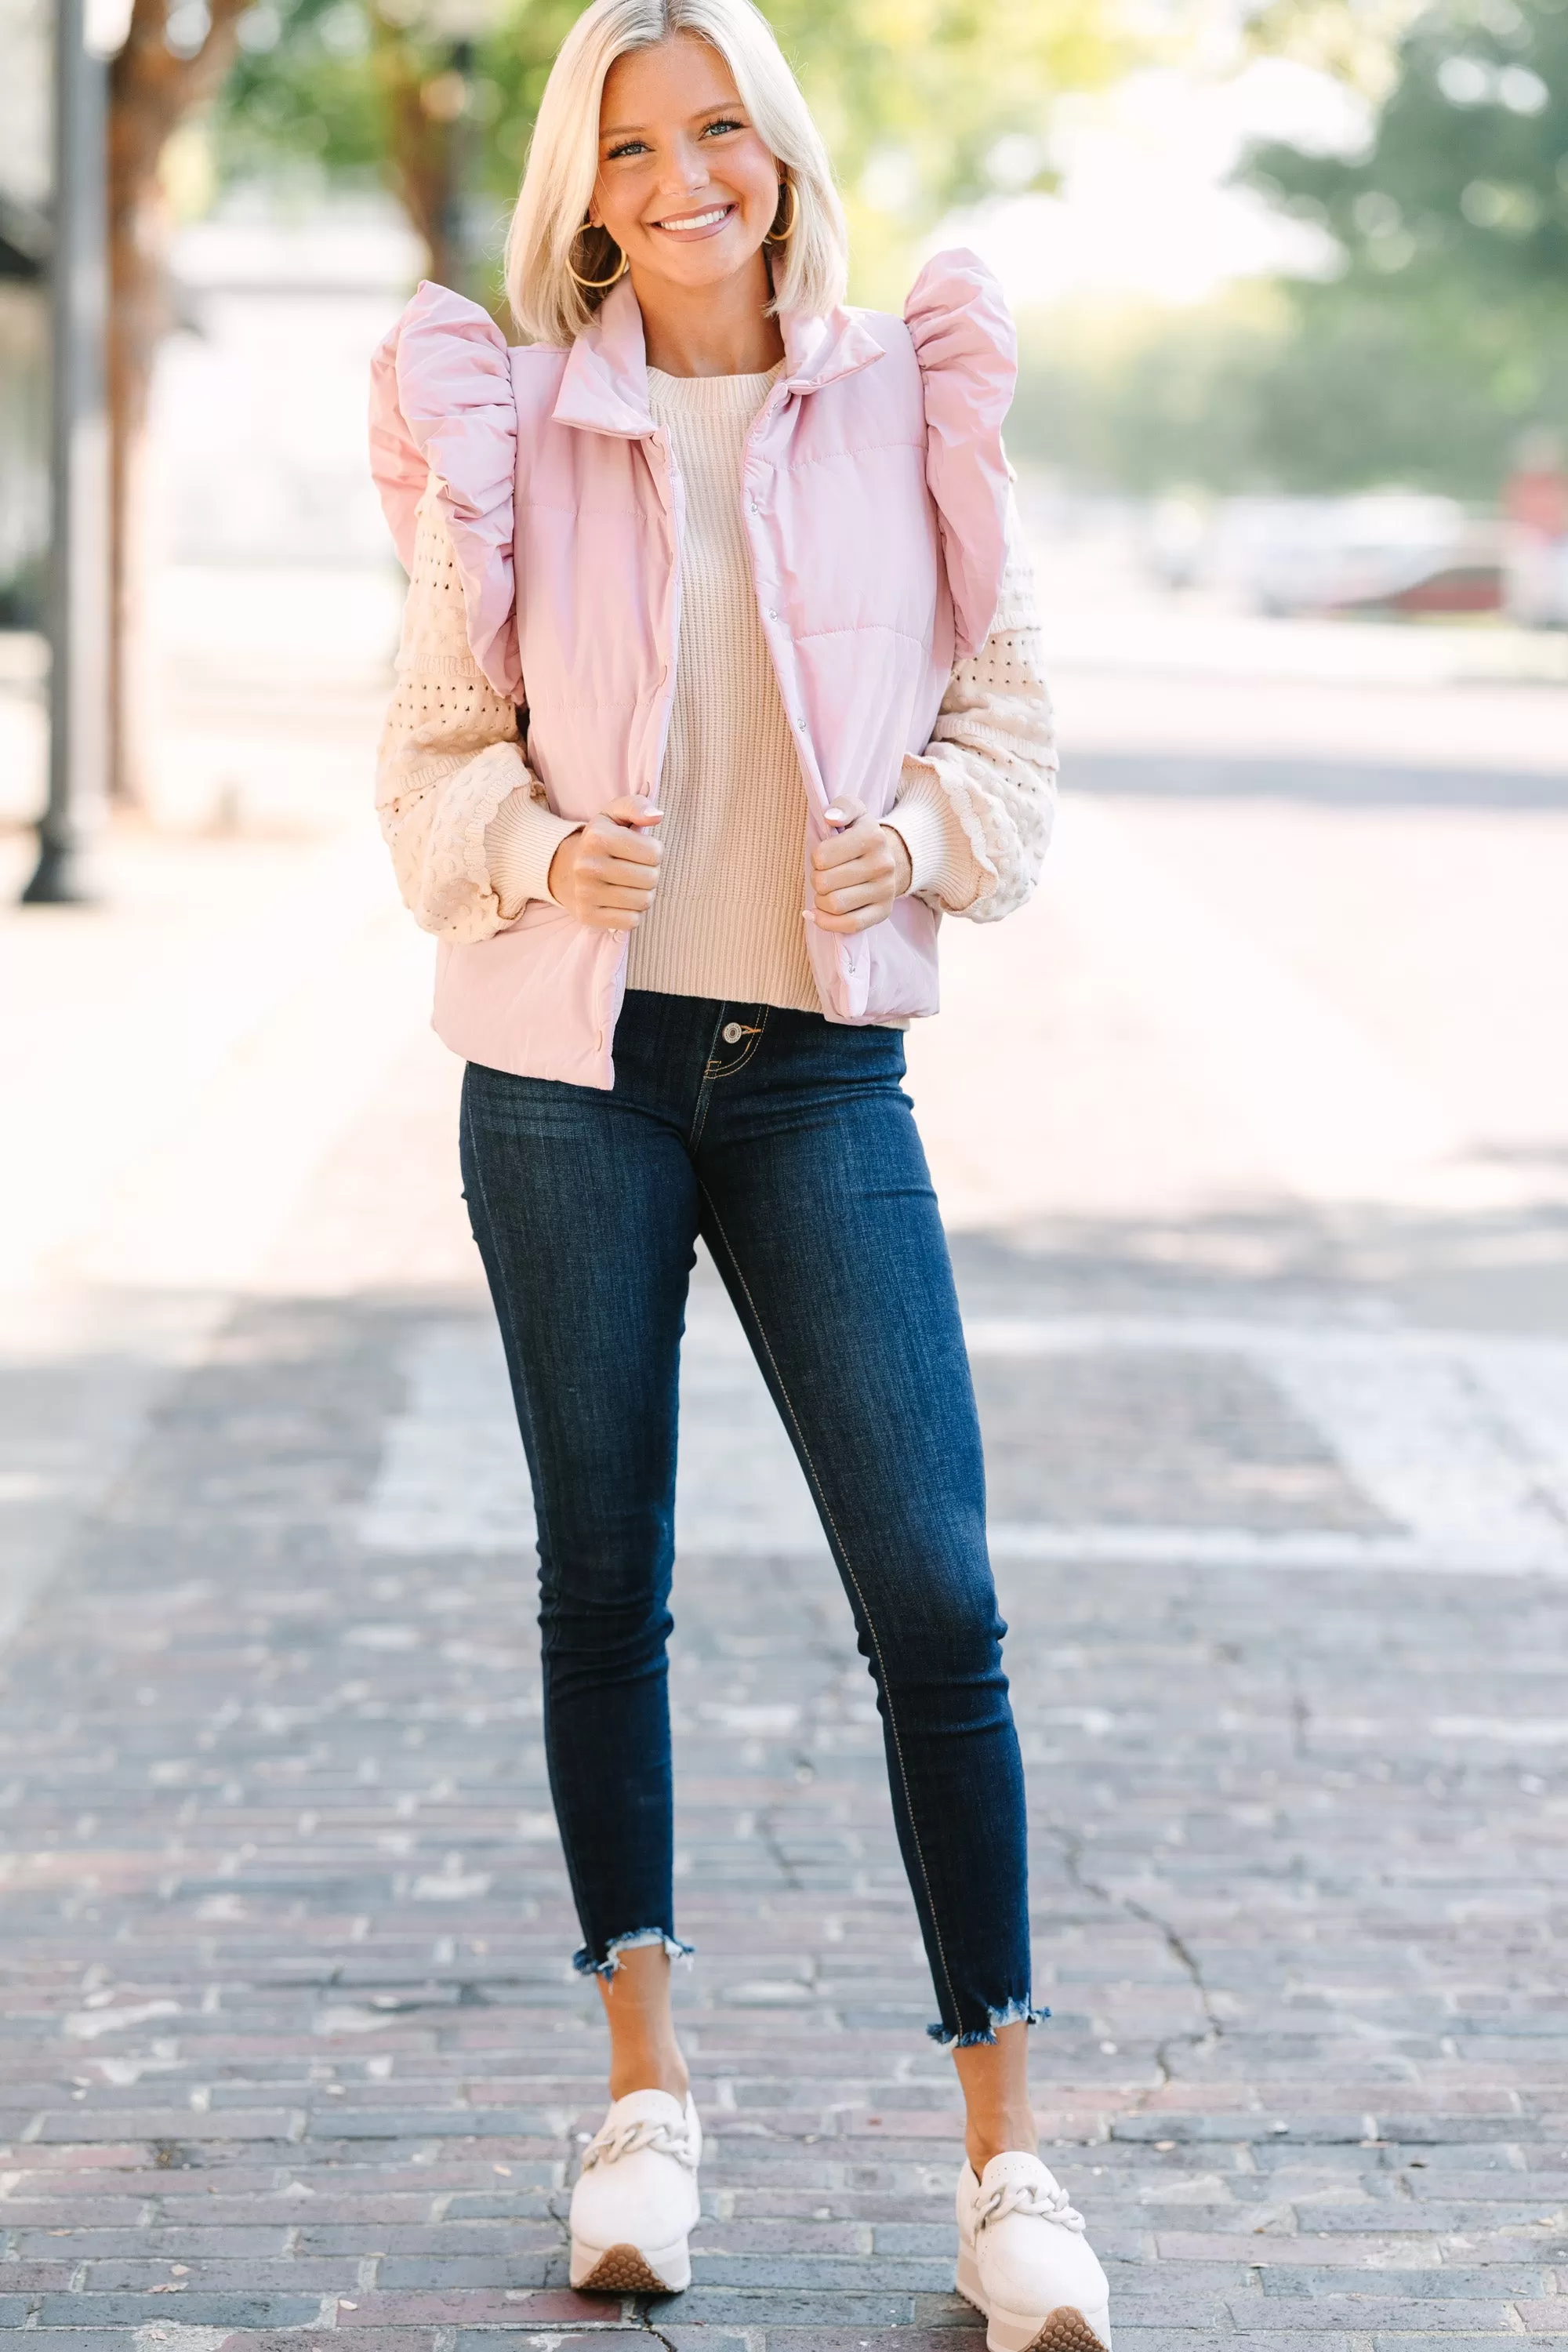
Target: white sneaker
(1024, 2260)
(635, 2202)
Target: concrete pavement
(1252, 1136)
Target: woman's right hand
(604, 873)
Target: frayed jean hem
(1017, 2012)
(587, 1966)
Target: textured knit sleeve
(975, 812)
(470, 834)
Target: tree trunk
(150, 89)
(422, 108)
(138, 317)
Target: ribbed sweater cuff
(928, 825)
(521, 839)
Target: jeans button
(732, 1033)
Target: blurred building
(259, 402)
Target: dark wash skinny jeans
(791, 1148)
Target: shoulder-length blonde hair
(809, 271)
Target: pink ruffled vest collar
(604, 386)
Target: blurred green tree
(171, 62)
(1451, 299)
(1274, 388)
(1442, 332)
(1463, 190)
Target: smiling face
(685, 187)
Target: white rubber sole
(1065, 2329)
(631, 2270)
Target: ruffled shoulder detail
(442, 402)
(968, 353)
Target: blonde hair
(809, 269)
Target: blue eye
(725, 122)
(626, 147)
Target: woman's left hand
(858, 871)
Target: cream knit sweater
(974, 812)
(725, 919)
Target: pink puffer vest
(874, 496)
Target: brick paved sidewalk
(291, 2048)
(291, 2045)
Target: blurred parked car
(1177, 542)
(1393, 552)
(1537, 594)
(1535, 500)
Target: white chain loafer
(636, 2203)
(1024, 2260)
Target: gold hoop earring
(783, 236)
(596, 285)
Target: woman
(713, 537)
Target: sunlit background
(1290, 287)
(1288, 277)
(1251, 1136)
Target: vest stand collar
(604, 387)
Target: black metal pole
(78, 555)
